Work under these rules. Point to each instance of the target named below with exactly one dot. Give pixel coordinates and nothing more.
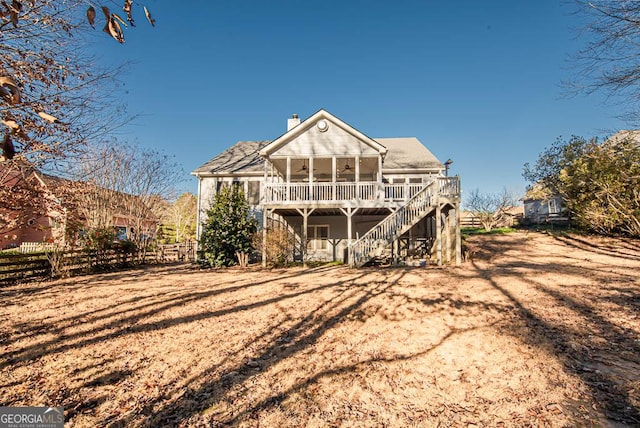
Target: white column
(447, 238)
(380, 183)
(288, 169)
(357, 175)
(305, 237)
(310, 179)
(349, 212)
(438, 232)
(458, 236)
(349, 236)
(288, 190)
(334, 176)
(265, 213)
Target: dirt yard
(533, 330)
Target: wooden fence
(177, 252)
(35, 247)
(45, 264)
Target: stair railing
(394, 225)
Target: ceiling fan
(304, 167)
(346, 168)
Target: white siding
(335, 141)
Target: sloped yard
(532, 331)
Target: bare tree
(54, 97)
(611, 60)
(126, 181)
(180, 216)
(490, 208)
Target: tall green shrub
(228, 229)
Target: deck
(361, 194)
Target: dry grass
(533, 331)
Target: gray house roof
(409, 153)
(244, 157)
(625, 134)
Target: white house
(344, 194)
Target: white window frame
(314, 243)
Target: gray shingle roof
(244, 157)
(625, 134)
(409, 153)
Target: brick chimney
(293, 122)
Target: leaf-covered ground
(533, 330)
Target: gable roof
(248, 156)
(305, 125)
(242, 157)
(409, 153)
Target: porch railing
(348, 191)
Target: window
(220, 184)
(317, 236)
(553, 206)
(253, 195)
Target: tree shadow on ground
(125, 321)
(601, 352)
(348, 297)
(623, 248)
(605, 357)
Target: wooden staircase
(373, 243)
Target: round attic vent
(322, 125)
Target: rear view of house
(345, 196)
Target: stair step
(373, 243)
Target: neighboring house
(513, 216)
(540, 206)
(625, 134)
(40, 215)
(547, 209)
(543, 206)
(345, 195)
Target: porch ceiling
(322, 167)
(320, 212)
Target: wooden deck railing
(293, 193)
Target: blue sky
(476, 81)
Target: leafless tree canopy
(118, 179)
(181, 216)
(611, 59)
(55, 97)
(62, 99)
(490, 208)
